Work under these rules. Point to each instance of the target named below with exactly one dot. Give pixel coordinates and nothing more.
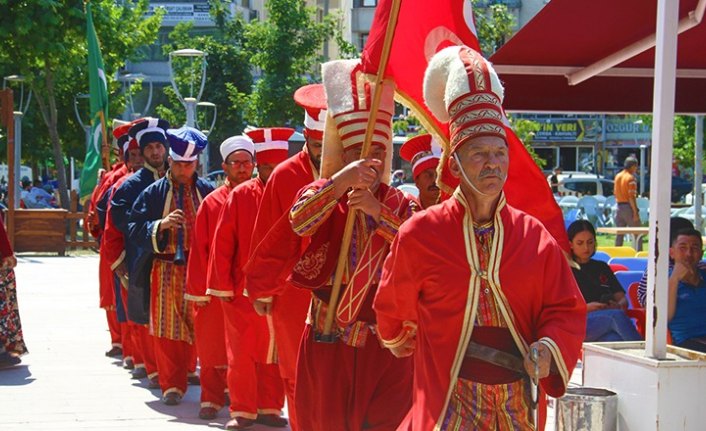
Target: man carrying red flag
(352, 383)
(268, 289)
(423, 152)
(254, 383)
(479, 291)
(209, 335)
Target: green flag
(98, 90)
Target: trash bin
(587, 409)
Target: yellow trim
(558, 359)
(271, 344)
(269, 412)
(118, 261)
(399, 340)
(177, 390)
(170, 192)
(267, 300)
(220, 293)
(245, 415)
(469, 315)
(155, 232)
(154, 171)
(197, 298)
(210, 404)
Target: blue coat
(147, 210)
(138, 263)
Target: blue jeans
(610, 325)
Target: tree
(227, 72)
(45, 41)
(494, 24)
(285, 49)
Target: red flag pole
(326, 336)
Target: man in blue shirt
(687, 291)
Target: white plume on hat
(235, 143)
(446, 79)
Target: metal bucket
(587, 409)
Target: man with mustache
(477, 290)
(423, 152)
(348, 381)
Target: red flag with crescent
(424, 28)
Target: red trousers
(343, 388)
(209, 337)
(144, 349)
(289, 318)
(174, 361)
(255, 387)
(126, 338)
(116, 339)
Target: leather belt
(169, 257)
(495, 357)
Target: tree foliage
(45, 41)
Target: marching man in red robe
(268, 289)
(254, 383)
(473, 280)
(209, 335)
(351, 383)
(423, 152)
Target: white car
(586, 186)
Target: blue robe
(138, 262)
(147, 210)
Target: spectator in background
(604, 296)
(676, 224)
(554, 179)
(398, 178)
(38, 197)
(687, 291)
(12, 343)
(26, 185)
(625, 191)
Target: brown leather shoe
(153, 383)
(208, 413)
(139, 373)
(193, 380)
(239, 423)
(114, 352)
(171, 399)
(271, 420)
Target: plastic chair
(643, 208)
(609, 210)
(642, 254)
(632, 263)
(602, 256)
(638, 313)
(588, 208)
(615, 267)
(622, 251)
(626, 278)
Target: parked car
(586, 185)
(680, 187)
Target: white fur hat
(349, 93)
(462, 87)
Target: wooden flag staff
(105, 149)
(327, 336)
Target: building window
(365, 3)
(362, 40)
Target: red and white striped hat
(271, 143)
(423, 152)
(313, 99)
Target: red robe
(290, 304)
(425, 284)
(253, 380)
(118, 171)
(209, 333)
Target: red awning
(568, 35)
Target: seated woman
(605, 298)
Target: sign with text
(196, 12)
(619, 129)
(568, 130)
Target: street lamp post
(190, 102)
(128, 80)
(23, 106)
